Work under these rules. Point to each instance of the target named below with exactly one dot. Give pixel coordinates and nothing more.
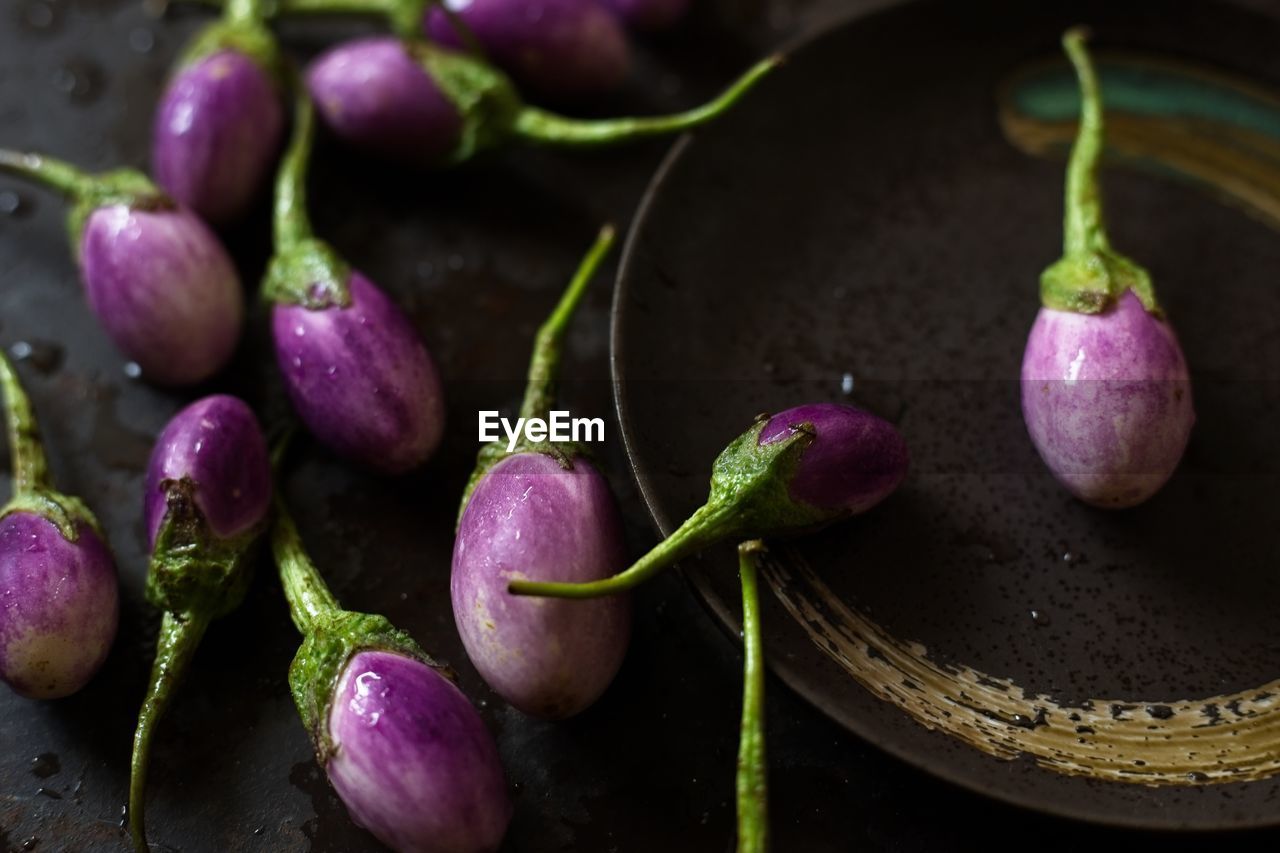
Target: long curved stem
(30, 465)
(307, 593)
(56, 174)
(539, 126)
(711, 523)
(544, 365)
(752, 780)
(179, 637)
(1085, 229)
(291, 220)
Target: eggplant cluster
(539, 575)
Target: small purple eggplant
(1106, 394)
(791, 473)
(359, 376)
(557, 48)
(544, 512)
(59, 598)
(406, 751)
(208, 495)
(432, 106)
(648, 15)
(220, 120)
(157, 278)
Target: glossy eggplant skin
(1107, 401)
(217, 133)
(553, 48)
(412, 760)
(529, 517)
(361, 379)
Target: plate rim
(725, 617)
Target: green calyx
(749, 496)
(1090, 276)
(332, 639)
(193, 571)
(486, 99)
(543, 374)
(33, 490)
(250, 38)
(309, 273)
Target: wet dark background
(477, 256)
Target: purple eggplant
(648, 15)
(403, 747)
(220, 121)
(791, 473)
(1106, 394)
(59, 597)
(542, 512)
(429, 105)
(208, 495)
(156, 277)
(560, 48)
(355, 369)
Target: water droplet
(259, 830)
(846, 383)
(141, 40)
(31, 843)
(80, 80)
(1040, 617)
(133, 370)
(1197, 776)
(14, 204)
(44, 356)
(45, 765)
(39, 15)
(48, 792)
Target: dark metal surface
(887, 237)
(477, 256)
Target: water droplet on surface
(14, 204)
(133, 370)
(1040, 617)
(39, 16)
(48, 792)
(44, 356)
(80, 80)
(141, 40)
(846, 384)
(45, 765)
(31, 843)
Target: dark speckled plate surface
(861, 230)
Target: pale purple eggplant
(430, 106)
(648, 15)
(403, 747)
(556, 48)
(59, 597)
(354, 367)
(158, 280)
(208, 495)
(217, 132)
(543, 512)
(1106, 393)
(791, 473)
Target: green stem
(292, 223)
(244, 11)
(1085, 230)
(308, 596)
(30, 465)
(710, 523)
(53, 173)
(538, 126)
(176, 646)
(544, 365)
(752, 781)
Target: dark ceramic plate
(865, 229)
